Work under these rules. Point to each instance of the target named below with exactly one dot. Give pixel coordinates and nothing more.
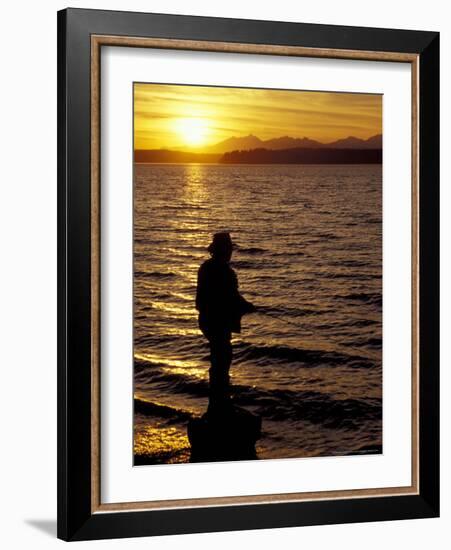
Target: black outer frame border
(75, 520)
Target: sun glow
(192, 131)
(197, 118)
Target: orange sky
(193, 117)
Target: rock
(228, 434)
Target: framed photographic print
(248, 274)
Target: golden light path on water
(168, 443)
(181, 311)
(158, 440)
(173, 365)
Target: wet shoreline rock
(227, 434)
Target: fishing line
(278, 317)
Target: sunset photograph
(257, 255)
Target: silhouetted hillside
(283, 150)
(287, 142)
(166, 156)
(247, 143)
(236, 143)
(351, 142)
(304, 156)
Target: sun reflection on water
(182, 311)
(195, 190)
(173, 365)
(160, 444)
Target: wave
(288, 253)
(375, 343)
(245, 352)
(151, 408)
(319, 408)
(368, 298)
(275, 404)
(251, 250)
(150, 374)
(191, 346)
(350, 263)
(291, 312)
(245, 264)
(156, 274)
(353, 275)
(308, 357)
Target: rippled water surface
(309, 252)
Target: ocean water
(309, 253)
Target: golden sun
(192, 130)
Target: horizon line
(211, 145)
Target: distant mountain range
(250, 142)
(251, 149)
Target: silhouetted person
(220, 307)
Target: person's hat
(221, 242)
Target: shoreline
(160, 438)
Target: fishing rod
(278, 317)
